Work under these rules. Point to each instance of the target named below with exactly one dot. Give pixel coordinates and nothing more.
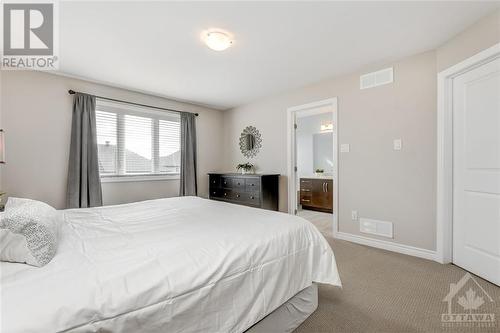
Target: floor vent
(376, 227)
(375, 79)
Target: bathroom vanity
(317, 194)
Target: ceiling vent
(375, 79)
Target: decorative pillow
(28, 232)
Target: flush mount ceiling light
(217, 40)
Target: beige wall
(36, 116)
(479, 36)
(374, 180)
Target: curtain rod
(72, 92)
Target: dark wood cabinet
(255, 190)
(316, 194)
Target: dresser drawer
(252, 185)
(227, 194)
(214, 181)
(215, 192)
(238, 183)
(250, 198)
(226, 182)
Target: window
(136, 141)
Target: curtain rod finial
(71, 92)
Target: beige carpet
(389, 292)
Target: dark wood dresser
(316, 194)
(253, 190)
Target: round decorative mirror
(250, 141)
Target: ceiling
(156, 47)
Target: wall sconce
(2, 147)
(326, 127)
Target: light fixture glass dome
(217, 40)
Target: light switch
(345, 148)
(397, 144)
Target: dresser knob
(237, 195)
(252, 197)
(225, 194)
(238, 183)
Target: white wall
(36, 116)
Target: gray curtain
(188, 155)
(84, 184)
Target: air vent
(376, 227)
(377, 78)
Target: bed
(171, 265)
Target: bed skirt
(289, 315)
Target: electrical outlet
(397, 144)
(354, 215)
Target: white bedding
(170, 265)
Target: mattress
(170, 265)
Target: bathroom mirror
(250, 142)
(323, 152)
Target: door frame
(444, 206)
(291, 144)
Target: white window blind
(136, 141)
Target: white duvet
(170, 265)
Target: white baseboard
(385, 245)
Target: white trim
(386, 245)
(312, 112)
(292, 186)
(444, 213)
(138, 178)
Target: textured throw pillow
(28, 232)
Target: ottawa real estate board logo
(29, 36)
(468, 305)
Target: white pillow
(28, 232)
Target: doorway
(469, 169)
(313, 163)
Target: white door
(476, 171)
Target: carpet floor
(389, 292)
